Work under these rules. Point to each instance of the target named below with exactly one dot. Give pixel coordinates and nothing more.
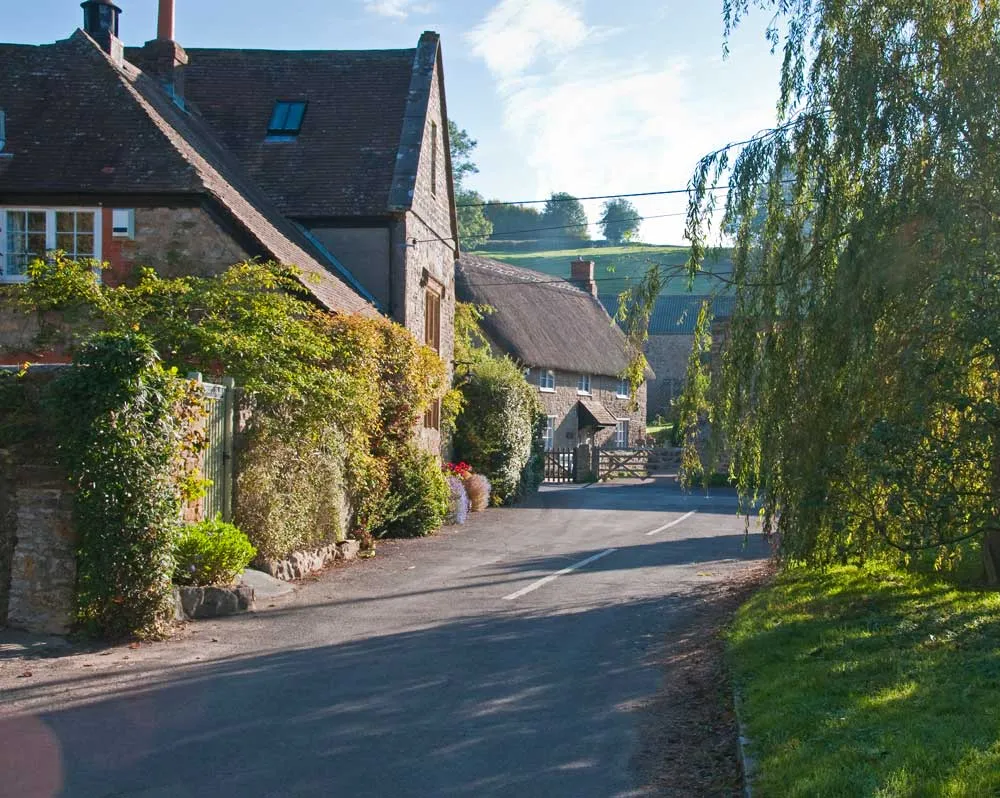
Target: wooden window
(432, 337)
(549, 436)
(547, 380)
(123, 223)
(623, 390)
(621, 433)
(583, 384)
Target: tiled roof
(77, 124)
(540, 321)
(343, 160)
(677, 315)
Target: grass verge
(869, 682)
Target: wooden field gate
(618, 463)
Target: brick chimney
(582, 275)
(100, 22)
(163, 57)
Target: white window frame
(549, 434)
(123, 220)
(50, 234)
(623, 389)
(583, 385)
(547, 381)
(622, 425)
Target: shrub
(478, 488)
(291, 487)
(458, 502)
(496, 430)
(211, 553)
(417, 501)
(127, 441)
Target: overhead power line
(493, 203)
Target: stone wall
(668, 357)
(37, 534)
(562, 403)
(175, 242)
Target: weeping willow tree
(860, 384)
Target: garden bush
(458, 501)
(128, 440)
(496, 430)
(478, 488)
(290, 487)
(211, 552)
(417, 501)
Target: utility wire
(492, 203)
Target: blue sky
(586, 96)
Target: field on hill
(615, 268)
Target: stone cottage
(671, 336)
(191, 160)
(570, 348)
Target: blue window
(286, 119)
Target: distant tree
(511, 222)
(473, 227)
(462, 145)
(620, 220)
(565, 213)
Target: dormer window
(286, 121)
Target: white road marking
(672, 523)
(545, 580)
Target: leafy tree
(474, 229)
(473, 226)
(513, 221)
(565, 213)
(860, 388)
(620, 220)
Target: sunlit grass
(617, 267)
(870, 683)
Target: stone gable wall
(668, 357)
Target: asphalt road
(450, 666)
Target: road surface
(514, 656)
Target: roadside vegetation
(855, 392)
(870, 682)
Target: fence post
(228, 464)
(595, 463)
(581, 464)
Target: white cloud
(399, 9)
(584, 119)
(516, 33)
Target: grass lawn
(616, 267)
(870, 683)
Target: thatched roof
(540, 320)
(677, 315)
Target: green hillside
(617, 267)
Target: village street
(449, 666)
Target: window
(583, 384)
(621, 433)
(434, 158)
(547, 380)
(286, 120)
(527, 373)
(432, 337)
(27, 234)
(624, 389)
(549, 436)
(123, 223)
(432, 319)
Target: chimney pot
(100, 22)
(582, 274)
(165, 21)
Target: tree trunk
(991, 556)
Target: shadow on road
(511, 704)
